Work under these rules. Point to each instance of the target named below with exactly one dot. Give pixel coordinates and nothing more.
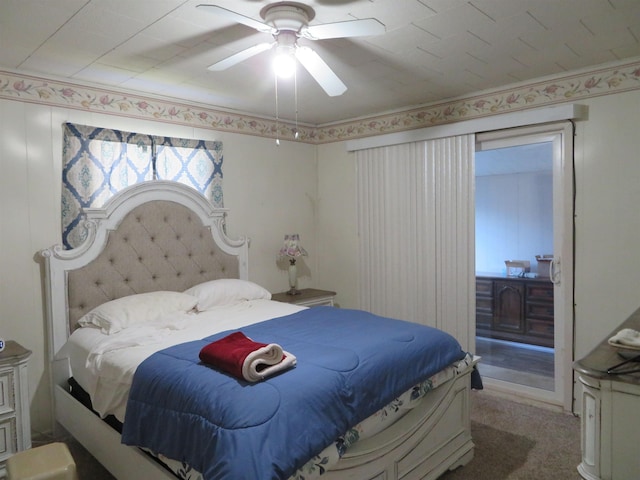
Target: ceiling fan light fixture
(288, 21)
(284, 62)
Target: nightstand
(15, 423)
(309, 297)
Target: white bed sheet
(103, 365)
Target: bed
(165, 237)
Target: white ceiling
(432, 49)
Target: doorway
(524, 207)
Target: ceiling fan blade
(352, 28)
(320, 71)
(240, 56)
(238, 18)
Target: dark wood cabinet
(515, 309)
(508, 313)
(539, 311)
(484, 303)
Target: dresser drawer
(484, 287)
(7, 396)
(540, 310)
(8, 438)
(484, 320)
(540, 292)
(484, 305)
(542, 330)
(15, 424)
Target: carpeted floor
(513, 442)
(520, 442)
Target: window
(99, 162)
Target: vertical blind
(416, 233)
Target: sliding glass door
(523, 214)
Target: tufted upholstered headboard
(152, 236)
(159, 245)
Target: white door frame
(561, 135)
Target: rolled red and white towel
(243, 358)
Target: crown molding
(605, 80)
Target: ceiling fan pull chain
(295, 99)
(277, 125)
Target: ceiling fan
(287, 22)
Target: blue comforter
(350, 364)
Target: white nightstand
(15, 423)
(309, 297)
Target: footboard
(432, 438)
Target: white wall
(269, 190)
(607, 236)
(309, 190)
(607, 261)
(337, 223)
(514, 219)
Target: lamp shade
(291, 247)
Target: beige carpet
(520, 442)
(513, 442)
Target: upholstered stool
(48, 462)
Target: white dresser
(610, 422)
(15, 424)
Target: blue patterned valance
(99, 162)
(197, 163)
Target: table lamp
(292, 249)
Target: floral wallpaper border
(602, 81)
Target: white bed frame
(427, 441)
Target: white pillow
(137, 309)
(225, 291)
